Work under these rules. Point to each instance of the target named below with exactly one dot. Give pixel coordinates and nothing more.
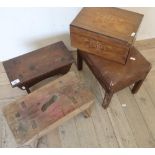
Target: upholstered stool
(114, 76)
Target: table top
(116, 75)
(31, 115)
(37, 63)
(113, 22)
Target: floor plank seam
(150, 132)
(150, 96)
(108, 115)
(129, 122)
(77, 132)
(95, 132)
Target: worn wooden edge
(59, 122)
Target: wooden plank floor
(132, 125)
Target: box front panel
(100, 45)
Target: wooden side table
(28, 69)
(39, 112)
(114, 76)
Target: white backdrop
(25, 29)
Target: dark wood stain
(114, 76)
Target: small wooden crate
(46, 108)
(106, 32)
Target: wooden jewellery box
(106, 32)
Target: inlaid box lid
(113, 22)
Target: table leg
(107, 99)
(137, 86)
(79, 60)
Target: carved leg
(107, 99)
(136, 86)
(79, 61)
(87, 112)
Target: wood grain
(53, 139)
(8, 92)
(46, 107)
(106, 32)
(68, 135)
(147, 108)
(103, 127)
(86, 132)
(133, 114)
(120, 124)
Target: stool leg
(25, 88)
(107, 99)
(79, 61)
(87, 112)
(136, 86)
(28, 90)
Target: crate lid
(112, 22)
